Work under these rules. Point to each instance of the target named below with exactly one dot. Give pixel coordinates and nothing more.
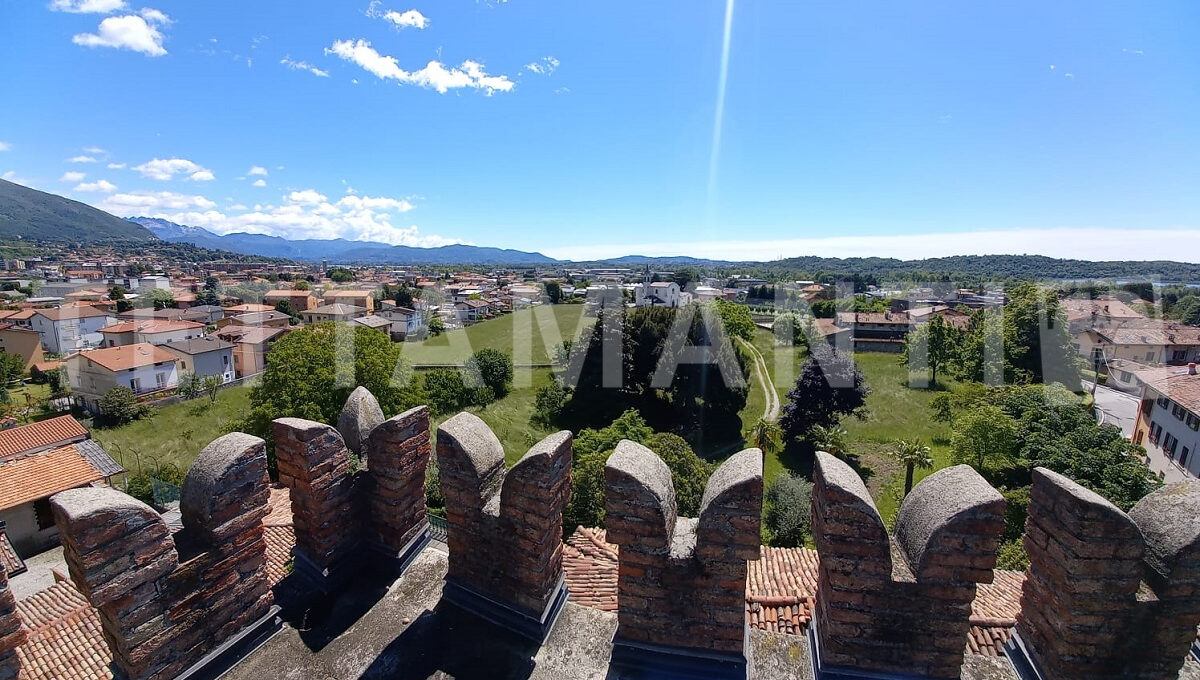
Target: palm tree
(912, 454)
(766, 435)
(831, 440)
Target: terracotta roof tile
(9, 559)
(128, 356)
(65, 640)
(781, 588)
(38, 475)
(40, 435)
(81, 312)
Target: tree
(912, 454)
(12, 367)
(493, 368)
(161, 299)
(208, 297)
(190, 385)
(831, 439)
(736, 319)
(933, 344)
(1187, 310)
(117, 293)
(341, 275)
(986, 438)
(830, 386)
(766, 435)
(685, 275)
(303, 379)
(787, 512)
(689, 472)
(793, 329)
(436, 327)
(447, 390)
(554, 292)
(302, 285)
(212, 385)
(120, 405)
(404, 297)
(213, 284)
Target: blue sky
(585, 129)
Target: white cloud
(116, 166)
(130, 32)
(11, 176)
(1130, 50)
(259, 183)
(304, 66)
(164, 169)
(99, 186)
(407, 19)
(87, 6)
(545, 67)
(434, 75)
(299, 215)
(93, 150)
(72, 177)
(257, 170)
(5, 146)
(81, 159)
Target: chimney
(1192, 368)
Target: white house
(405, 321)
(156, 332)
(659, 294)
(66, 329)
(141, 367)
(1168, 422)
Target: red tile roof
(157, 326)
(37, 436)
(781, 588)
(81, 312)
(128, 356)
(37, 475)
(65, 640)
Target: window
(160, 379)
(183, 365)
(1178, 411)
(1193, 421)
(1150, 355)
(135, 384)
(43, 514)
(1179, 355)
(1184, 458)
(1162, 402)
(225, 359)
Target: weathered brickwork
(1109, 594)
(901, 604)
(335, 508)
(681, 581)
(165, 601)
(504, 529)
(13, 633)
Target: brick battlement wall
(901, 604)
(337, 509)
(682, 582)
(165, 601)
(1110, 594)
(504, 528)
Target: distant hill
(994, 267)
(336, 250)
(33, 215)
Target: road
(764, 379)
(1116, 407)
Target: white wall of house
(90, 381)
(667, 291)
(66, 335)
(27, 536)
(1175, 431)
(164, 337)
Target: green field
(175, 434)
(509, 417)
(521, 329)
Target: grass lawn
(783, 364)
(177, 433)
(521, 328)
(509, 418)
(895, 411)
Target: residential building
(356, 298)
(36, 462)
(300, 300)
(21, 341)
(471, 310)
(1100, 313)
(876, 331)
(371, 321)
(268, 319)
(658, 294)
(1148, 341)
(1168, 423)
(155, 332)
(405, 322)
(205, 356)
(251, 346)
(142, 367)
(66, 329)
(248, 308)
(333, 312)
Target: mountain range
(30, 215)
(336, 250)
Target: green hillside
(35, 215)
